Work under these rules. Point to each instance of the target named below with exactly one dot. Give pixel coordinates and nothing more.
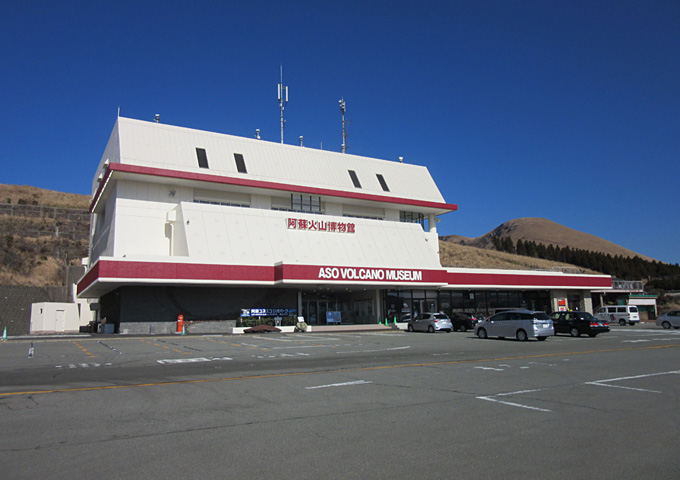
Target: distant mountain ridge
(547, 232)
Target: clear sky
(567, 110)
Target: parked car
(669, 319)
(430, 322)
(578, 323)
(521, 324)
(463, 321)
(621, 314)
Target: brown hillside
(26, 195)
(541, 230)
(454, 255)
(42, 232)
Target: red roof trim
(244, 182)
(178, 272)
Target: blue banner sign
(267, 312)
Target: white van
(621, 314)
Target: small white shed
(54, 318)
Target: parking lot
(344, 405)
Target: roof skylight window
(202, 157)
(355, 179)
(383, 183)
(240, 163)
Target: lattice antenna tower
(344, 134)
(283, 99)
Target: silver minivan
(521, 324)
(621, 314)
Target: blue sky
(567, 110)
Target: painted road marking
(313, 372)
(605, 383)
(84, 365)
(192, 360)
(110, 347)
(490, 398)
(345, 384)
(373, 351)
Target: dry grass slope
(453, 255)
(25, 194)
(542, 230)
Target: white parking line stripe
(640, 376)
(604, 383)
(512, 404)
(624, 388)
(191, 360)
(358, 382)
(518, 392)
(373, 351)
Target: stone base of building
(160, 328)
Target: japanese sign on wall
(320, 225)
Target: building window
(383, 183)
(412, 217)
(355, 179)
(305, 203)
(240, 163)
(202, 157)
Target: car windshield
(440, 316)
(585, 316)
(540, 316)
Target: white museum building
(220, 228)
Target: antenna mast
(344, 135)
(283, 99)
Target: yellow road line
(295, 374)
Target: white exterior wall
(142, 226)
(54, 318)
(233, 235)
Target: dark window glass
(202, 157)
(240, 163)
(383, 183)
(305, 203)
(355, 180)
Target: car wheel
(481, 333)
(430, 329)
(666, 325)
(574, 332)
(522, 336)
(410, 327)
(541, 338)
(463, 328)
(622, 322)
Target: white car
(520, 324)
(669, 319)
(430, 322)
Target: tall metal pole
(283, 99)
(344, 136)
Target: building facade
(220, 228)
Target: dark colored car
(463, 321)
(578, 323)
